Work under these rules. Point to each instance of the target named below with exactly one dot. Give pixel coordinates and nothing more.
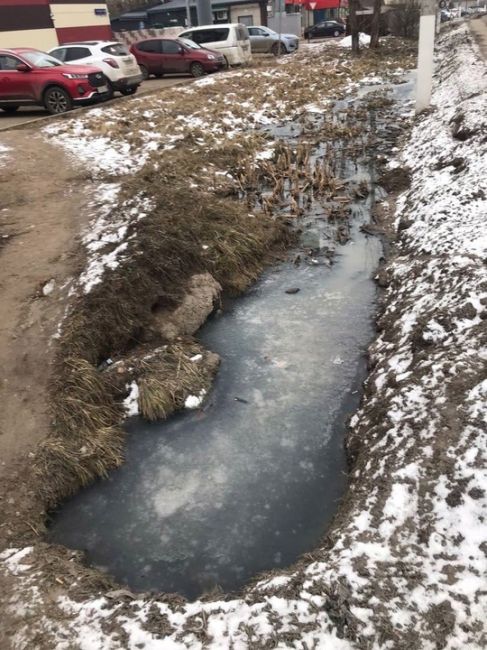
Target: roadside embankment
(403, 564)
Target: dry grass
(167, 379)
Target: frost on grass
(405, 564)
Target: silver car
(264, 40)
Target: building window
(248, 21)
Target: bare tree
(375, 24)
(404, 19)
(352, 17)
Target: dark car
(160, 56)
(30, 77)
(325, 28)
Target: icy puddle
(212, 497)
(251, 480)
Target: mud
(201, 299)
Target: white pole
(188, 14)
(281, 4)
(425, 55)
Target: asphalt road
(26, 114)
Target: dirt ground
(37, 246)
(478, 27)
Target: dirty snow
(363, 39)
(106, 237)
(131, 402)
(193, 401)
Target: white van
(231, 39)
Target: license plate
(102, 89)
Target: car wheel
(57, 100)
(10, 109)
(145, 72)
(336, 33)
(110, 91)
(131, 90)
(226, 65)
(278, 48)
(197, 69)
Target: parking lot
(26, 114)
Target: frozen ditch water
(251, 481)
(214, 497)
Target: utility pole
(204, 13)
(281, 6)
(426, 47)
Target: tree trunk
(352, 7)
(375, 25)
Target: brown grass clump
(166, 380)
(85, 441)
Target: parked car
(30, 77)
(231, 40)
(113, 59)
(445, 15)
(265, 40)
(325, 28)
(160, 56)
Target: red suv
(159, 56)
(30, 77)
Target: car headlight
(210, 56)
(74, 75)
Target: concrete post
(204, 13)
(426, 46)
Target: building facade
(173, 13)
(44, 24)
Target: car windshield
(115, 49)
(41, 59)
(191, 44)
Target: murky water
(215, 496)
(250, 481)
